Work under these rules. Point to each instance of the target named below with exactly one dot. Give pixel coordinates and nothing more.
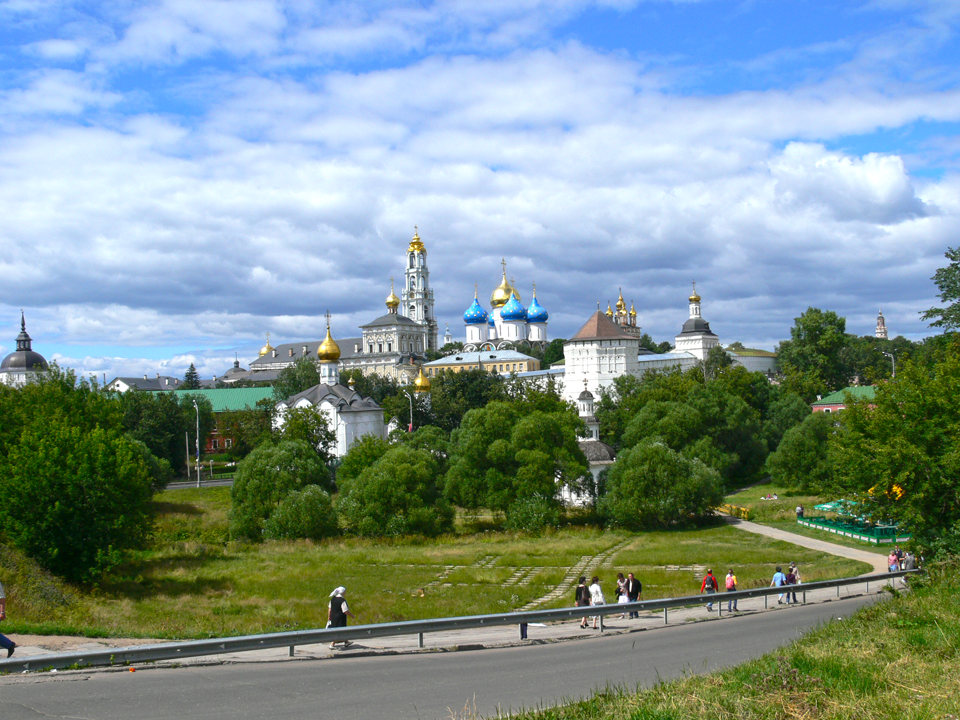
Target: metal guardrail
(217, 646)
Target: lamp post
(410, 398)
(197, 408)
(894, 361)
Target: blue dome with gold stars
(513, 310)
(536, 313)
(475, 314)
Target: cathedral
(23, 364)
(508, 323)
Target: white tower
(328, 357)
(881, 326)
(416, 295)
(695, 337)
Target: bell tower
(416, 296)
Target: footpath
(503, 636)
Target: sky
(180, 177)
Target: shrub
(303, 514)
(533, 514)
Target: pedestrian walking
(795, 571)
(731, 583)
(709, 586)
(634, 588)
(791, 581)
(337, 613)
(621, 591)
(582, 598)
(799, 512)
(893, 562)
(596, 597)
(779, 580)
(5, 642)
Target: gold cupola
(416, 244)
(694, 298)
(501, 294)
(329, 351)
(421, 384)
(266, 349)
(393, 302)
(633, 312)
(621, 305)
(609, 312)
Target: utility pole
(894, 361)
(197, 408)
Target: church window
(379, 347)
(389, 347)
(370, 348)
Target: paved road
(414, 686)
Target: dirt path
(878, 562)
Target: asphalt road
(415, 686)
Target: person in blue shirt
(779, 580)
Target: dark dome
(696, 325)
(24, 358)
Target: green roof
(229, 399)
(752, 352)
(859, 392)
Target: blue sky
(178, 178)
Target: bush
(304, 514)
(652, 486)
(397, 495)
(265, 478)
(533, 514)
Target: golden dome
(266, 349)
(695, 298)
(609, 312)
(421, 384)
(416, 244)
(328, 351)
(501, 294)
(393, 302)
(621, 305)
(633, 313)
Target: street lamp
(197, 408)
(894, 361)
(410, 398)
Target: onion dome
(513, 310)
(694, 298)
(328, 351)
(416, 245)
(475, 314)
(491, 322)
(421, 384)
(393, 302)
(609, 312)
(536, 313)
(633, 312)
(621, 305)
(266, 349)
(501, 294)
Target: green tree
(802, 461)
(553, 352)
(785, 412)
(247, 428)
(361, 455)
(811, 359)
(296, 378)
(191, 379)
(310, 425)
(162, 420)
(947, 279)
(303, 514)
(75, 499)
(900, 451)
(453, 394)
(502, 453)
(399, 494)
(651, 487)
(265, 478)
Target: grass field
(893, 661)
(193, 583)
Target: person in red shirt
(709, 586)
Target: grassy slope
(192, 583)
(896, 660)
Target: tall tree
(947, 280)
(811, 359)
(300, 376)
(191, 379)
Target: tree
(802, 461)
(265, 478)
(75, 499)
(398, 495)
(651, 486)
(296, 378)
(161, 420)
(361, 455)
(303, 514)
(502, 452)
(191, 379)
(947, 279)
(553, 352)
(785, 412)
(247, 428)
(453, 394)
(650, 344)
(811, 360)
(311, 426)
(899, 451)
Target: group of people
(899, 560)
(627, 590)
(711, 585)
(786, 579)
